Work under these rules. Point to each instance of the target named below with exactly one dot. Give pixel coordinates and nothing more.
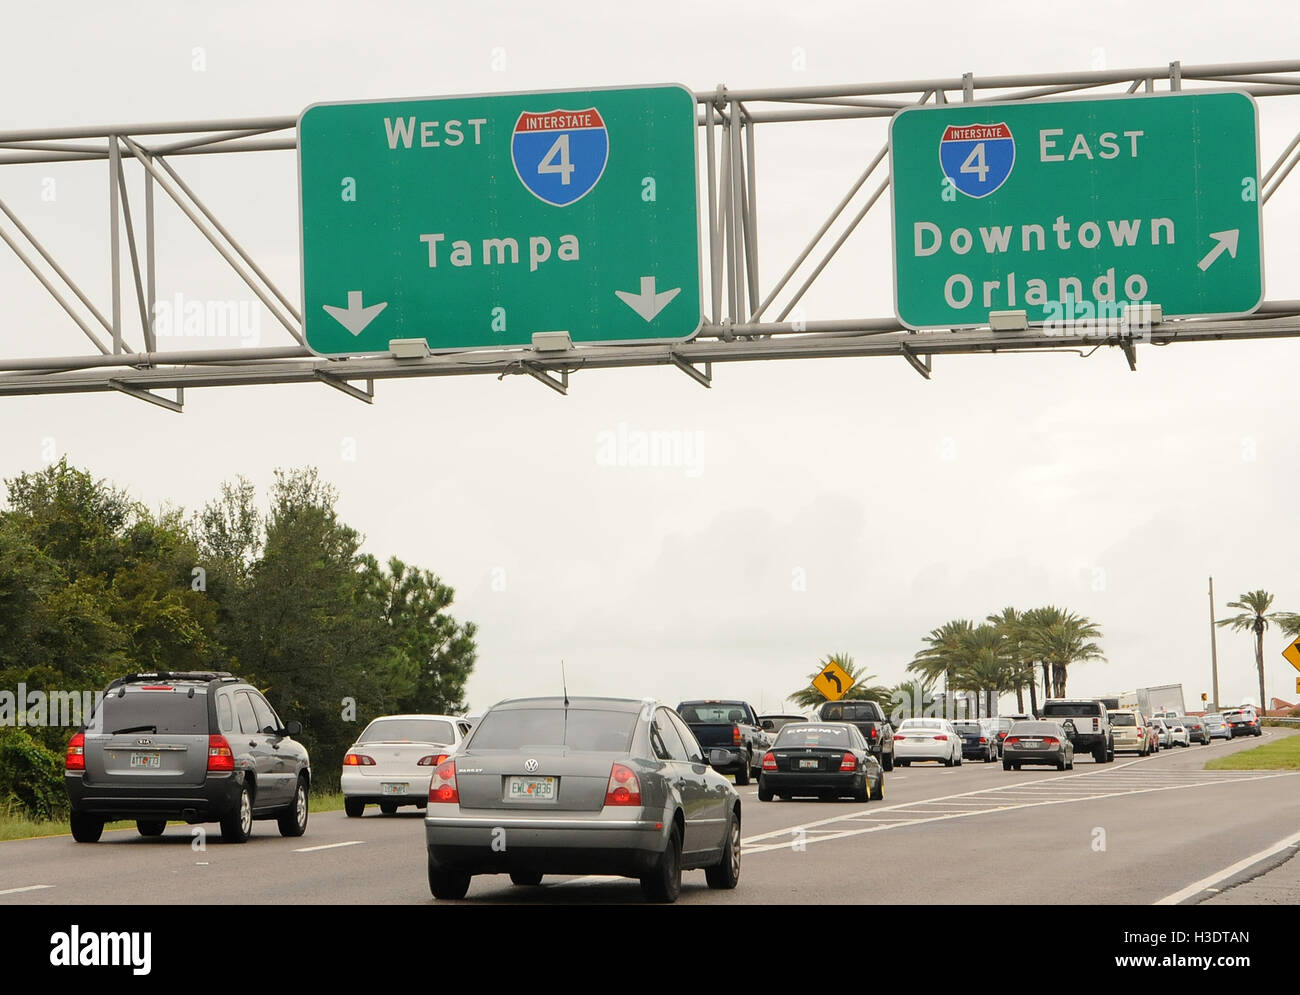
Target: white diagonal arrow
(354, 317)
(647, 303)
(1223, 240)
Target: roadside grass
(1281, 755)
(14, 825)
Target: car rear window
(921, 724)
(1123, 719)
(973, 727)
(1035, 729)
(1071, 708)
(408, 731)
(850, 711)
(713, 711)
(163, 712)
(595, 730)
(804, 734)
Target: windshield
(804, 734)
(921, 724)
(595, 730)
(408, 731)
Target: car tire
(764, 793)
(1060, 764)
(664, 883)
(354, 807)
(742, 775)
(447, 885)
(1099, 755)
(904, 763)
(150, 827)
(991, 757)
(1006, 764)
(1016, 766)
(878, 792)
(388, 808)
(887, 761)
(237, 826)
(526, 879)
(726, 872)
(959, 760)
(1070, 764)
(293, 820)
(86, 828)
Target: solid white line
(1198, 886)
(328, 846)
(30, 887)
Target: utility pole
(1214, 649)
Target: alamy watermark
(188, 318)
(627, 447)
(38, 709)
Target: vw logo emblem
(530, 765)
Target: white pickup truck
(1086, 722)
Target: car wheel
(1070, 764)
(150, 827)
(948, 762)
(664, 883)
(887, 761)
(786, 797)
(726, 872)
(526, 879)
(1060, 764)
(293, 820)
(1016, 766)
(764, 792)
(86, 828)
(447, 885)
(1099, 755)
(742, 775)
(878, 792)
(388, 808)
(863, 794)
(354, 807)
(904, 763)
(238, 825)
(1006, 764)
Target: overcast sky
(826, 505)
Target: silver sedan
(583, 786)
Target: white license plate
(1031, 743)
(389, 788)
(149, 761)
(531, 789)
(808, 765)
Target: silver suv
(196, 747)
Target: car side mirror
(716, 757)
(293, 728)
(768, 725)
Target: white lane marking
(30, 887)
(1198, 886)
(328, 846)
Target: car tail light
(219, 755)
(1095, 724)
(624, 787)
(898, 736)
(874, 732)
(360, 760)
(942, 735)
(1011, 740)
(983, 739)
(849, 762)
(735, 736)
(442, 786)
(769, 761)
(432, 760)
(1051, 741)
(75, 758)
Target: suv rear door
(249, 742)
(149, 735)
(282, 766)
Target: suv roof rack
(171, 675)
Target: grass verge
(1284, 754)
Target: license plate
(149, 761)
(1031, 743)
(389, 788)
(808, 765)
(531, 789)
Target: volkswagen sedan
(581, 786)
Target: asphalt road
(1132, 832)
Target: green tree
(985, 666)
(1255, 617)
(943, 653)
(1011, 625)
(862, 690)
(1058, 639)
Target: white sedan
(927, 739)
(393, 759)
(1179, 735)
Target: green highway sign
(1072, 210)
(475, 222)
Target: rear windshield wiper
(119, 732)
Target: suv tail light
(442, 786)
(849, 762)
(219, 755)
(1096, 724)
(432, 760)
(874, 732)
(624, 787)
(769, 760)
(359, 760)
(735, 736)
(75, 758)
(984, 739)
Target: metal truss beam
(737, 298)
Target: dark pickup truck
(729, 733)
(871, 722)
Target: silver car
(581, 786)
(392, 760)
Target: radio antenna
(564, 685)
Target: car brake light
(1051, 741)
(983, 739)
(849, 762)
(624, 787)
(735, 735)
(769, 761)
(1011, 740)
(75, 758)
(219, 755)
(942, 735)
(898, 736)
(1095, 725)
(874, 732)
(442, 786)
(359, 760)
(432, 760)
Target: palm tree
(1059, 639)
(1011, 625)
(1037, 621)
(944, 652)
(862, 689)
(1253, 618)
(985, 666)
(910, 699)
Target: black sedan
(822, 759)
(1037, 743)
(979, 739)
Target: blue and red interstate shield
(560, 155)
(977, 158)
